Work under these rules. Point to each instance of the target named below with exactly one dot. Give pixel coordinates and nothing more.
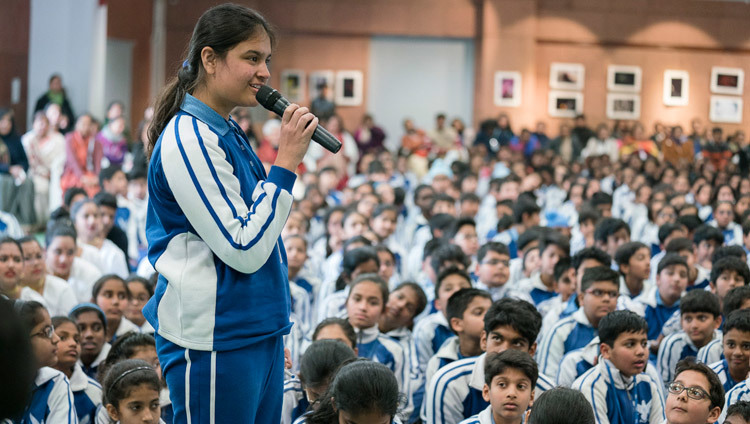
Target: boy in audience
(541, 285)
(597, 297)
(667, 233)
(455, 392)
(738, 413)
(698, 278)
(695, 396)
(493, 271)
(584, 237)
(565, 287)
(526, 215)
(658, 304)
(432, 331)
(737, 298)
(465, 313)
(705, 239)
(728, 273)
(617, 388)
(700, 316)
(463, 234)
(509, 381)
(634, 263)
(735, 365)
(610, 234)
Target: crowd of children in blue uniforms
(481, 285)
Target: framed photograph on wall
(507, 88)
(624, 78)
(567, 76)
(727, 80)
(318, 79)
(348, 88)
(293, 85)
(623, 106)
(565, 104)
(726, 109)
(676, 87)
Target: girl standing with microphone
(222, 303)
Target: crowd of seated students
(494, 275)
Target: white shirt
(82, 277)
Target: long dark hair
(360, 386)
(221, 28)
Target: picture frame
(565, 104)
(623, 106)
(726, 109)
(321, 77)
(292, 85)
(348, 88)
(507, 89)
(676, 87)
(727, 80)
(567, 76)
(625, 79)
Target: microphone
(272, 100)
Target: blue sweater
(213, 227)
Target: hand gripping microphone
(275, 102)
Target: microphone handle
(320, 135)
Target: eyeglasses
(614, 294)
(495, 262)
(693, 392)
(46, 332)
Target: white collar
(78, 380)
(368, 335)
(476, 381)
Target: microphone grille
(267, 96)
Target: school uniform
(296, 342)
(569, 334)
(377, 347)
(721, 369)
(92, 369)
(732, 233)
(334, 305)
(485, 417)
(534, 287)
(449, 352)
(655, 311)
(625, 291)
(617, 399)
(51, 399)
(295, 402)
(455, 392)
(59, 296)
(87, 395)
(497, 293)
(509, 238)
(9, 226)
(712, 352)
(740, 392)
(429, 335)
(82, 277)
(674, 348)
(125, 326)
(214, 224)
(301, 306)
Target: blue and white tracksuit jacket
(51, 400)
(740, 392)
(429, 335)
(569, 334)
(712, 352)
(721, 369)
(295, 401)
(213, 227)
(87, 395)
(655, 311)
(674, 348)
(378, 347)
(455, 392)
(618, 399)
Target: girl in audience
(51, 397)
(336, 329)
(405, 303)
(362, 391)
(357, 261)
(62, 262)
(57, 293)
(87, 393)
(317, 368)
(92, 326)
(93, 246)
(111, 294)
(141, 291)
(364, 306)
(131, 393)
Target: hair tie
(130, 371)
(185, 64)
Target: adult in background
(56, 94)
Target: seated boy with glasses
(597, 297)
(695, 396)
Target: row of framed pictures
(627, 106)
(345, 88)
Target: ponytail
(220, 28)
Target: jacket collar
(201, 111)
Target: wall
(14, 49)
